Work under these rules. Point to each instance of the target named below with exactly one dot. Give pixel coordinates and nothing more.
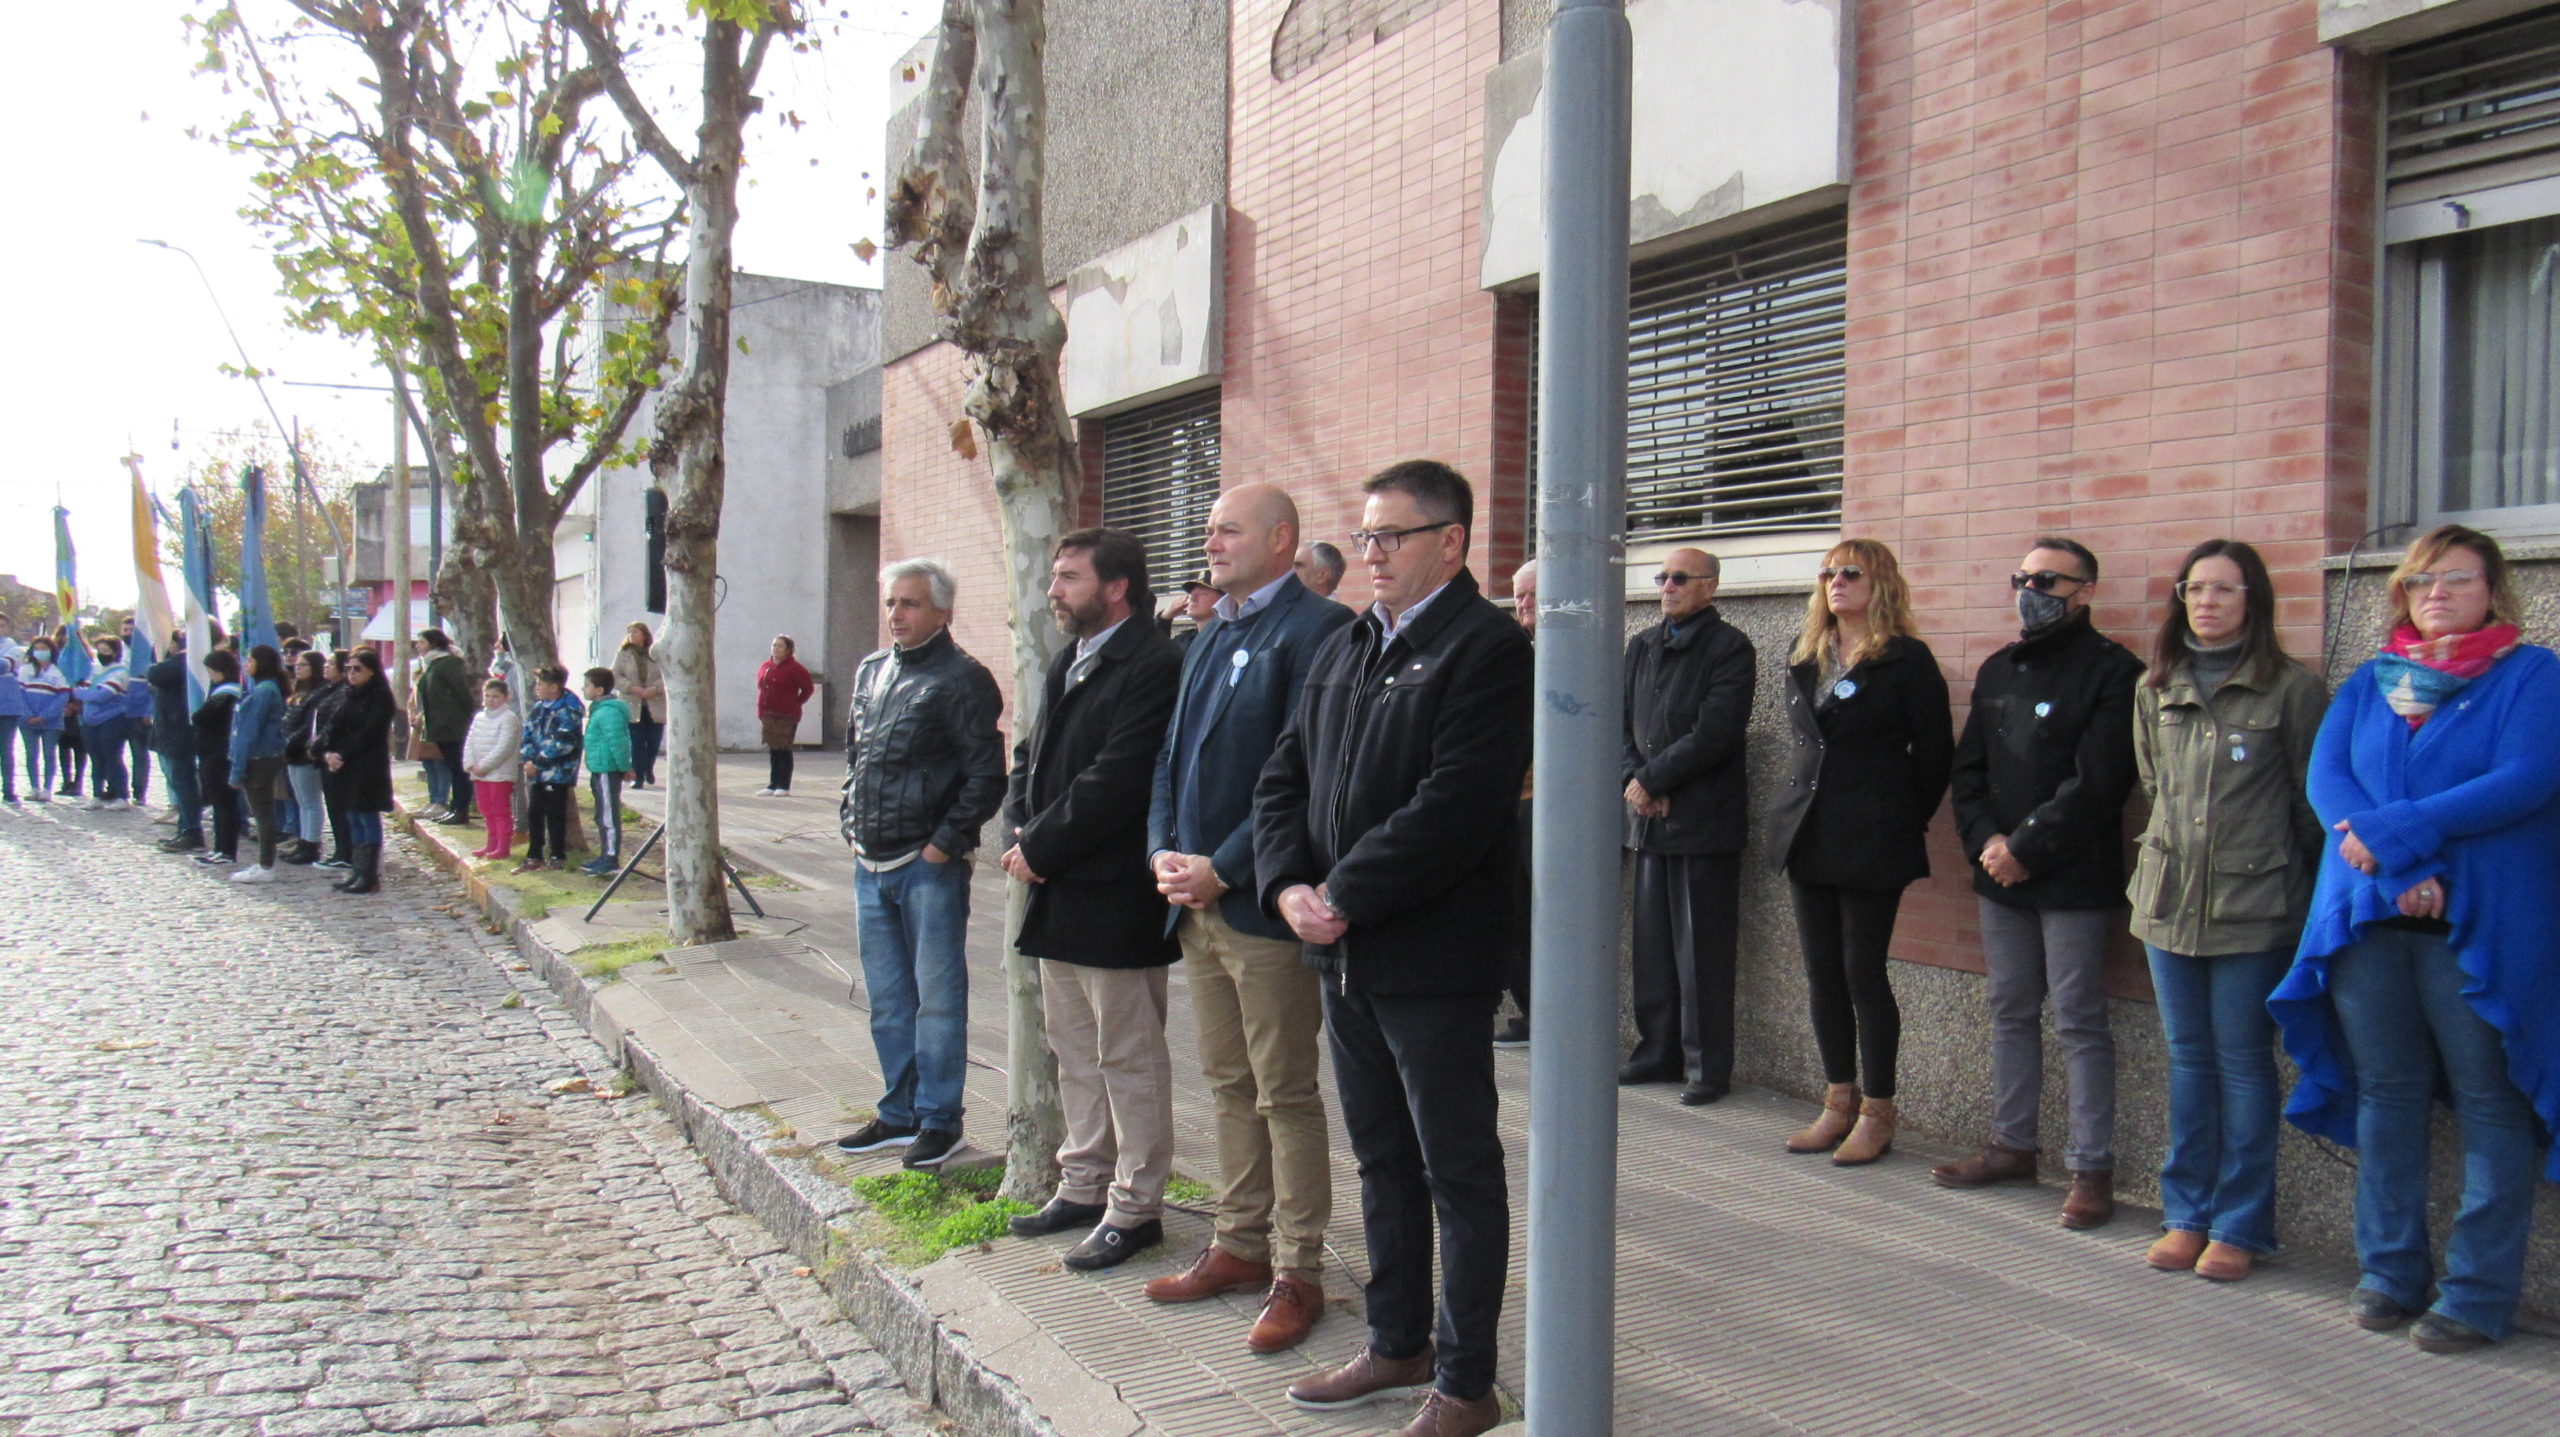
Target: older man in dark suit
(1076, 824)
(1254, 997)
(1383, 835)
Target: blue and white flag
(195, 547)
(74, 658)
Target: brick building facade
(2137, 272)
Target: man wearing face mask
(2041, 777)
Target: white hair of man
(936, 575)
(1525, 574)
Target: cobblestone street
(280, 1162)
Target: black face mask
(2041, 611)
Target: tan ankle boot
(1839, 1114)
(1871, 1139)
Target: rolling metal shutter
(1159, 477)
(1735, 391)
(2474, 111)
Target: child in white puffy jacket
(489, 757)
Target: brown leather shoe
(1365, 1377)
(1871, 1139)
(2176, 1251)
(1839, 1114)
(2224, 1263)
(2092, 1202)
(1445, 1416)
(1994, 1164)
(1213, 1272)
(1288, 1315)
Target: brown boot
(1994, 1164)
(1839, 1114)
(1445, 1416)
(1871, 1139)
(1212, 1273)
(2176, 1251)
(2092, 1202)
(1364, 1377)
(1288, 1314)
(2224, 1263)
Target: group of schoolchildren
(548, 745)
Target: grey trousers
(2061, 952)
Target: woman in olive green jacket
(2223, 728)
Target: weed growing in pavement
(607, 960)
(929, 1214)
(1188, 1192)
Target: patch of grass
(928, 1214)
(1188, 1192)
(607, 960)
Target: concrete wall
(799, 339)
(1137, 136)
(1740, 117)
(2380, 24)
(1148, 319)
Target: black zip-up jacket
(1865, 771)
(2047, 758)
(1394, 788)
(923, 761)
(1688, 712)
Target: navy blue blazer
(1246, 708)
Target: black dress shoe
(1108, 1246)
(1059, 1216)
(1698, 1095)
(1629, 1075)
(2435, 1332)
(2373, 1310)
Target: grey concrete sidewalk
(1757, 1292)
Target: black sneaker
(332, 862)
(875, 1135)
(1109, 1246)
(931, 1148)
(215, 858)
(181, 845)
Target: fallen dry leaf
(126, 1045)
(572, 1085)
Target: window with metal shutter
(1735, 359)
(2473, 111)
(1159, 477)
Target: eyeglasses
(2455, 581)
(2042, 580)
(1675, 579)
(1850, 572)
(1390, 540)
(2194, 589)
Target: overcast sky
(118, 347)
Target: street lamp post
(1582, 455)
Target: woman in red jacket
(782, 687)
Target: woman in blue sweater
(2430, 943)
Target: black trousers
(213, 780)
(1417, 1100)
(547, 811)
(1688, 921)
(1515, 970)
(1856, 1022)
(779, 769)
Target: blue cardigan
(2473, 797)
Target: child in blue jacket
(554, 736)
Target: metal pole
(1582, 460)
(398, 535)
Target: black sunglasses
(1851, 572)
(1674, 576)
(2042, 580)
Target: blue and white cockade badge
(2239, 751)
(1235, 667)
(2044, 710)
(1845, 689)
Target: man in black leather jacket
(924, 769)
(1689, 681)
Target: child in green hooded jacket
(608, 766)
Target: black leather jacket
(923, 761)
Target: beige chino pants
(1260, 1011)
(1115, 1086)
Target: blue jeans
(433, 770)
(9, 756)
(2398, 997)
(106, 758)
(184, 794)
(310, 808)
(137, 756)
(41, 756)
(914, 924)
(364, 828)
(2224, 1104)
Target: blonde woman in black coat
(1867, 710)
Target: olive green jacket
(2227, 861)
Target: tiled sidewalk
(1757, 1292)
